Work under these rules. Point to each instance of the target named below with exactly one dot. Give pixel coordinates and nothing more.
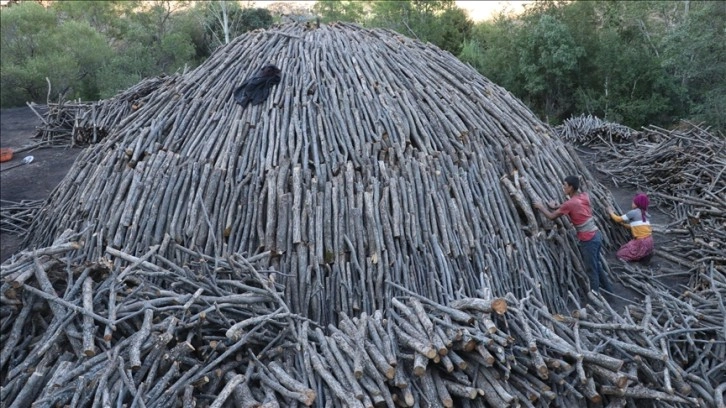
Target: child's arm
(620, 219)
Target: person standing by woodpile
(638, 221)
(578, 209)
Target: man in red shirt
(578, 208)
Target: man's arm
(547, 213)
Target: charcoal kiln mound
(362, 237)
(376, 159)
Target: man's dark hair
(573, 181)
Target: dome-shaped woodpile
(363, 237)
(377, 158)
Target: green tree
(158, 39)
(106, 17)
(85, 56)
(341, 10)
(222, 21)
(254, 18)
(493, 51)
(694, 53)
(454, 29)
(36, 46)
(23, 28)
(548, 60)
(625, 80)
(598, 57)
(438, 22)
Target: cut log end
(499, 306)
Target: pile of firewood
(587, 130)
(76, 123)
(130, 330)
(356, 170)
(16, 217)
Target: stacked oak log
(145, 331)
(587, 130)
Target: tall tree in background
(254, 18)
(454, 28)
(221, 19)
(493, 51)
(155, 29)
(625, 81)
(549, 59)
(636, 63)
(595, 57)
(438, 22)
(224, 20)
(106, 17)
(534, 56)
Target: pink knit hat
(641, 201)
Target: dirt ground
(33, 181)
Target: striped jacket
(633, 220)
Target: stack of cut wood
(357, 226)
(587, 130)
(77, 123)
(16, 217)
(146, 331)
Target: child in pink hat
(638, 220)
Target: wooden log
(10, 342)
(305, 396)
(442, 390)
(640, 392)
(335, 386)
(452, 312)
(339, 364)
(589, 390)
(292, 383)
(227, 391)
(409, 341)
(420, 363)
(429, 391)
(383, 346)
(89, 328)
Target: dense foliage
(95, 49)
(636, 63)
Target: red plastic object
(6, 154)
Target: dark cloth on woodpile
(256, 89)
